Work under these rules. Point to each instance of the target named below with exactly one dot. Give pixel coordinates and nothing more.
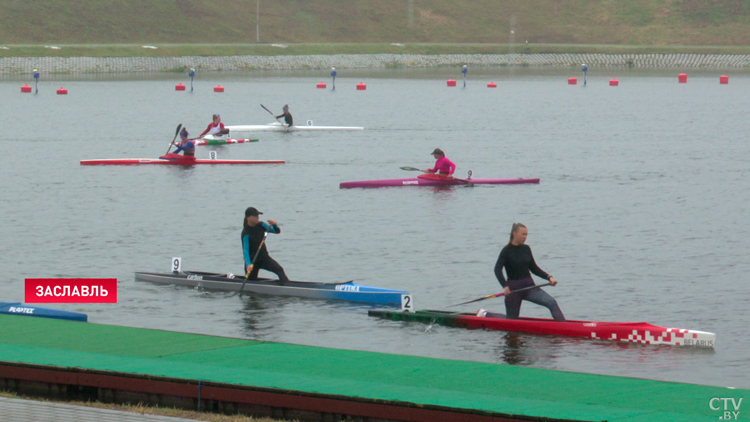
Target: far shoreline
(244, 63)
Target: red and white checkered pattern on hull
(658, 335)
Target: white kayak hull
(277, 127)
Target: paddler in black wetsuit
(519, 263)
(286, 115)
(252, 234)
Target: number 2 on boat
(407, 303)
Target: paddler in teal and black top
(253, 231)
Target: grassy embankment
(107, 28)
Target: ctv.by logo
(728, 405)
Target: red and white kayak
(220, 141)
(631, 332)
(170, 159)
(432, 180)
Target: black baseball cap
(252, 211)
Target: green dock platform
(112, 363)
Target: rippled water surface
(641, 213)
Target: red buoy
(62, 91)
(614, 82)
(361, 86)
(451, 82)
(682, 78)
(320, 85)
(218, 88)
(491, 85)
(572, 81)
(723, 79)
(179, 87)
(25, 88)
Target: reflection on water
(512, 348)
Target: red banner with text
(71, 290)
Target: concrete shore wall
(63, 65)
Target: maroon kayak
(432, 180)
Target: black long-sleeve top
(518, 263)
(287, 118)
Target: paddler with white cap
(286, 115)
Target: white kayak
(278, 127)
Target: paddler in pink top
(443, 166)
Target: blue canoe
(17, 308)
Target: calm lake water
(642, 213)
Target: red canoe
(632, 332)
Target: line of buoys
(361, 86)
(681, 78)
(62, 91)
(451, 82)
(320, 85)
(179, 87)
(491, 85)
(218, 88)
(25, 88)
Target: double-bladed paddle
(176, 132)
(501, 294)
(274, 116)
(467, 182)
(265, 234)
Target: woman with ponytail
(519, 264)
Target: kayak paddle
(501, 294)
(407, 168)
(176, 132)
(274, 116)
(265, 234)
